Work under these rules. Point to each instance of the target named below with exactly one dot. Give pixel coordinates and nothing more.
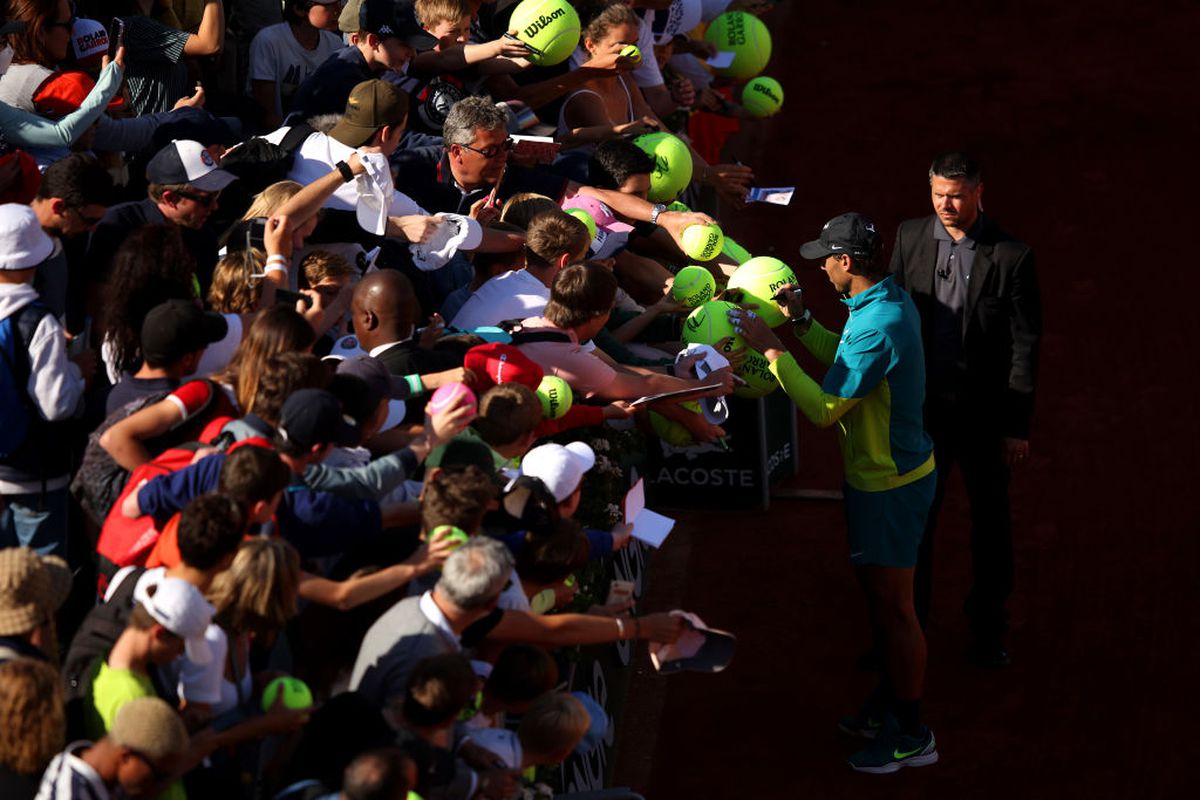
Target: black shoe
(988, 655)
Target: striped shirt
(69, 777)
(155, 75)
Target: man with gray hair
(465, 596)
(473, 162)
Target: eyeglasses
(493, 150)
(160, 776)
(202, 199)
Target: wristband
(267, 270)
(620, 627)
(344, 168)
(415, 385)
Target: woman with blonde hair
(32, 724)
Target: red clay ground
(1085, 120)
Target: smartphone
(116, 37)
(256, 234)
(290, 298)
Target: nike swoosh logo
(898, 754)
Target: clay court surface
(1085, 119)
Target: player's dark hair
(616, 161)
(78, 180)
(955, 165)
(210, 529)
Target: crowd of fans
(242, 243)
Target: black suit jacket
(1002, 319)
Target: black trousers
(966, 433)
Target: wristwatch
(654, 212)
(344, 168)
(802, 323)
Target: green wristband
(415, 386)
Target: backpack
(258, 163)
(16, 406)
(99, 482)
(519, 336)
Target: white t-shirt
(276, 56)
(315, 159)
(516, 294)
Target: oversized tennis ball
(450, 532)
(763, 96)
(586, 218)
(631, 52)
(709, 324)
(735, 251)
(556, 397)
(672, 432)
(702, 242)
(672, 164)
(549, 27)
(693, 286)
(759, 279)
(447, 396)
(296, 694)
(746, 37)
(756, 372)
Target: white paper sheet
(722, 59)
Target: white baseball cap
(185, 161)
(455, 232)
(23, 243)
(180, 608)
(88, 38)
(560, 467)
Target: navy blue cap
(314, 417)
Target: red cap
(26, 186)
(64, 92)
(496, 363)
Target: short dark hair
(210, 529)
(252, 474)
(550, 235)
(507, 413)
(955, 165)
(79, 180)
(581, 292)
(873, 264)
(459, 498)
(521, 674)
(616, 161)
(438, 690)
(548, 560)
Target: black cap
(850, 234)
(178, 327)
(314, 417)
(387, 18)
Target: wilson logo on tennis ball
(542, 21)
(763, 89)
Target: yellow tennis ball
(586, 218)
(702, 242)
(549, 27)
(763, 96)
(746, 37)
(556, 397)
(632, 52)
(756, 372)
(672, 165)
(759, 279)
(693, 286)
(452, 533)
(296, 694)
(709, 324)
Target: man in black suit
(977, 292)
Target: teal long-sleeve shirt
(29, 130)
(874, 390)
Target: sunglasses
(89, 220)
(206, 199)
(493, 150)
